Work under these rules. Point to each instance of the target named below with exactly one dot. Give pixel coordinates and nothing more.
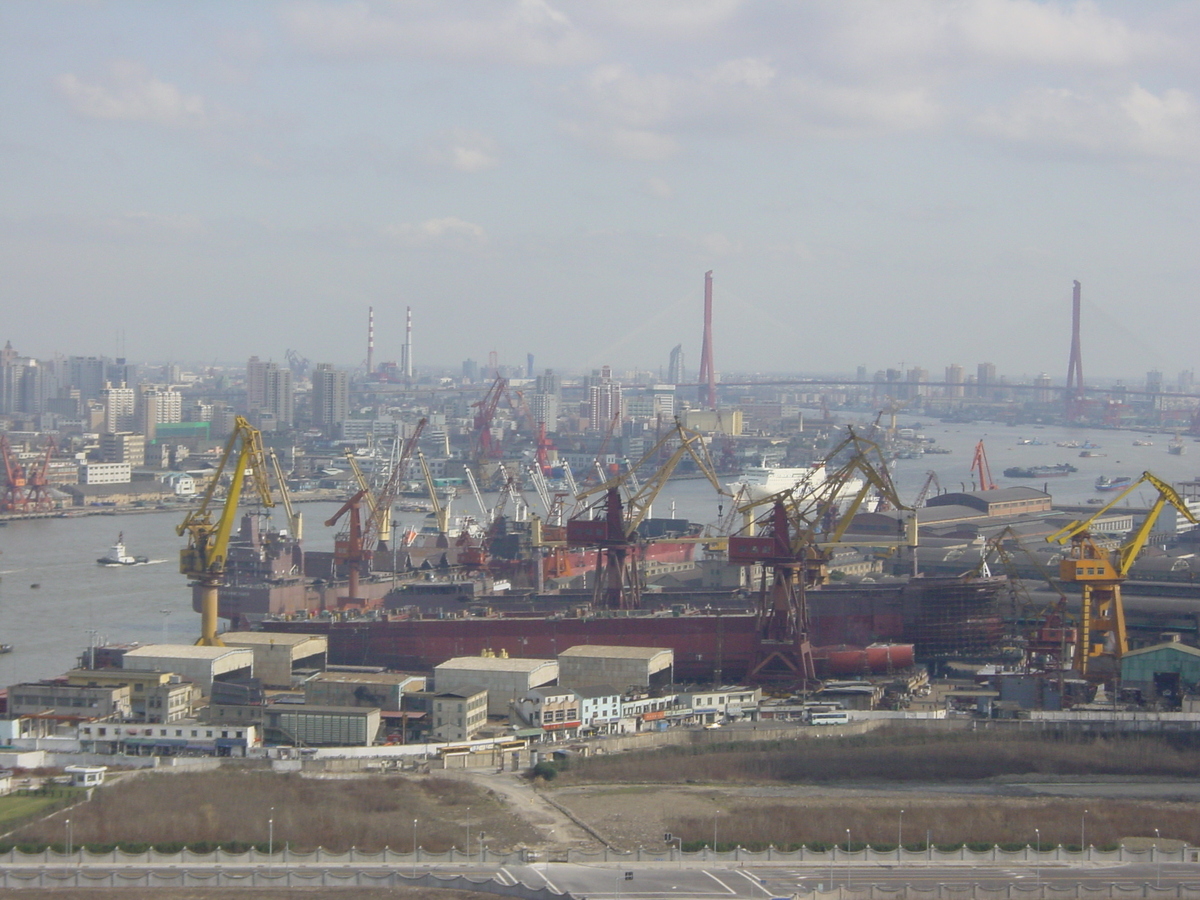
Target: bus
(833, 717)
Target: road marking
(503, 873)
(754, 881)
(719, 881)
(550, 884)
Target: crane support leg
(208, 616)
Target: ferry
(757, 482)
(117, 556)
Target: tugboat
(117, 556)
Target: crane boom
(208, 542)
(295, 517)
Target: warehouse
(623, 667)
(202, 665)
(1164, 671)
(506, 679)
(382, 689)
(320, 726)
(278, 655)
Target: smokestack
(708, 376)
(408, 370)
(370, 341)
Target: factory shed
(320, 726)
(203, 665)
(625, 667)
(506, 679)
(1166, 671)
(1009, 501)
(277, 655)
(382, 689)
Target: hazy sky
(871, 182)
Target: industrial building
(385, 690)
(202, 665)
(154, 696)
(625, 667)
(320, 726)
(1163, 671)
(506, 679)
(277, 656)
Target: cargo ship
(1104, 483)
(942, 618)
(1059, 471)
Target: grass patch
(21, 806)
(898, 755)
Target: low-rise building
(458, 714)
(202, 665)
(184, 738)
(599, 707)
(708, 705)
(55, 700)
(506, 679)
(553, 709)
(154, 696)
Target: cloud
(448, 231)
(659, 187)
(1135, 122)
(520, 32)
(969, 34)
(133, 95)
(667, 19)
(463, 150)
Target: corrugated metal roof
(494, 664)
(183, 651)
(603, 651)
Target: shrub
(170, 847)
(133, 847)
(545, 770)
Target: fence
(285, 856)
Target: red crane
(486, 447)
(14, 498)
(980, 464)
(37, 488)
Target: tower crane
(203, 560)
(37, 488)
(614, 532)
(1099, 574)
(931, 481)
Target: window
(103, 732)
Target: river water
(76, 601)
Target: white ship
(117, 556)
(757, 482)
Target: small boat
(1104, 483)
(1176, 446)
(117, 556)
(1142, 443)
(1090, 454)
(6, 648)
(1058, 471)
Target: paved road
(659, 881)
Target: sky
(891, 184)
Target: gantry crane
(203, 560)
(613, 533)
(15, 481)
(26, 490)
(791, 543)
(979, 463)
(1099, 574)
(380, 501)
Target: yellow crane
(1099, 573)
(203, 560)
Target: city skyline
(868, 181)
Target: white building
(106, 473)
(183, 484)
(599, 707)
(721, 704)
(202, 665)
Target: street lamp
(67, 824)
(900, 839)
(1157, 860)
(1037, 861)
(271, 835)
(1083, 832)
(847, 858)
(414, 866)
(468, 844)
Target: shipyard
(566, 451)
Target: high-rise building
(954, 380)
(330, 398)
(604, 402)
(278, 399)
(87, 375)
(544, 408)
(470, 370)
(159, 405)
(548, 383)
(675, 366)
(120, 409)
(1154, 382)
(256, 380)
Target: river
(76, 601)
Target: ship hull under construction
(943, 618)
